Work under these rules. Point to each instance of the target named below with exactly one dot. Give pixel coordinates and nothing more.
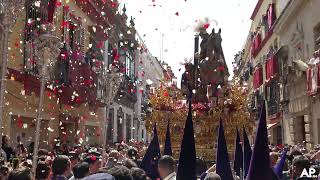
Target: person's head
(120, 173)
(61, 166)
(94, 163)
(129, 163)
(114, 154)
(293, 154)
(212, 176)
(20, 174)
(132, 153)
(165, 166)
(273, 158)
(81, 170)
(42, 171)
(74, 158)
(43, 152)
(299, 164)
(138, 174)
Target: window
(128, 128)
(317, 37)
(76, 33)
(110, 125)
(272, 95)
(129, 65)
(120, 125)
(73, 32)
(110, 55)
(36, 14)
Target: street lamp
(47, 50)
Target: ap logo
(309, 174)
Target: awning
(272, 125)
(274, 121)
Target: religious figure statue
(212, 69)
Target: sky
(172, 22)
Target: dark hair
(129, 163)
(42, 171)
(166, 162)
(301, 162)
(43, 152)
(81, 170)
(132, 153)
(120, 173)
(293, 154)
(138, 174)
(20, 174)
(60, 164)
(91, 159)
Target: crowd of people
(121, 162)
(295, 160)
(64, 162)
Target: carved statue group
(211, 71)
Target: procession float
(213, 98)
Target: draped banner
(257, 78)
(271, 68)
(313, 79)
(255, 45)
(51, 10)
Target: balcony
(74, 81)
(127, 92)
(273, 108)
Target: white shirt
(171, 176)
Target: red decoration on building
(257, 77)
(271, 68)
(19, 123)
(51, 9)
(313, 79)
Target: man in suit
(166, 168)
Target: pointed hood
(260, 161)
(149, 162)
(223, 165)
(247, 152)
(187, 160)
(278, 168)
(167, 145)
(238, 156)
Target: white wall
(153, 72)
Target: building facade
(275, 64)
(298, 32)
(150, 76)
(75, 96)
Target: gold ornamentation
(231, 108)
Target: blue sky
(174, 20)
